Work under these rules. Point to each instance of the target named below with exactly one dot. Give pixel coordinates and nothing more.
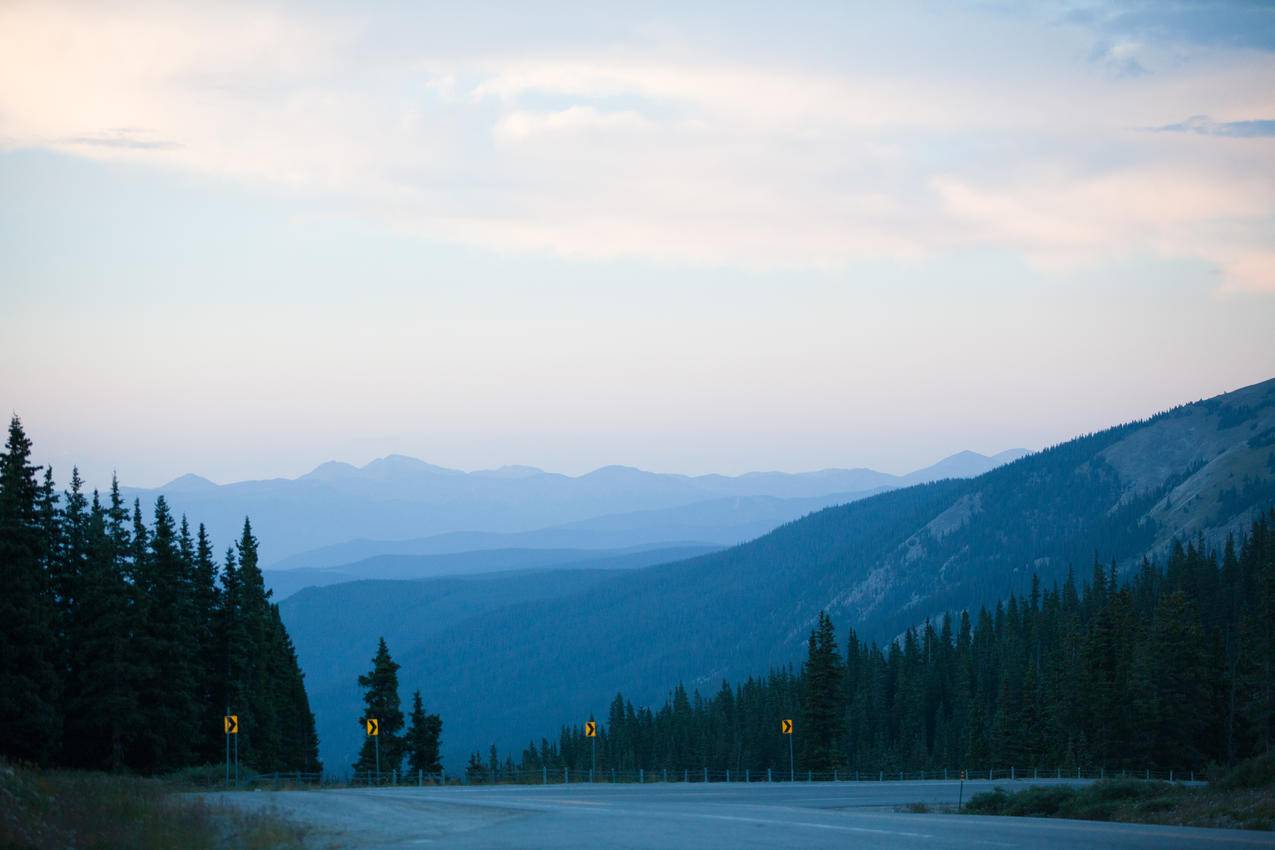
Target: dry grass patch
(68, 810)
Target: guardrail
(688, 776)
(566, 776)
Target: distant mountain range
(507, 658)
(284, 583)
(401, 498)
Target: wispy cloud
(128, 138)
(1206, 126)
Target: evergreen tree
(205, 606)
(823, 704)
(29, 676)
(167, 686)
(380, 700)
(421, 741)
(102, 705)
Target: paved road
(703, 817)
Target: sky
(241, 240)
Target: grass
(67, 810)
(1244, 798)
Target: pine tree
(823, 706)
(103, 703)
(380, 700)
(166, 696)
(29, 676)
(205, 604)
(421, 740)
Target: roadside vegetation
(1243, 798)
(70, 810)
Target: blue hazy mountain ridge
(284, 583)
(717, 521)
(510, 673)
(398, 497)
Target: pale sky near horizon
(243, 239)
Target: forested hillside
(123, 644)
(879, 565)
(1170, 670)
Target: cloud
(1213, 23)
(1061, 221)
(1120, 58)
(522, 123)
(129, 138)
(702, 156)
(1206, 126)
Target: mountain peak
(398, 466)
(333, 470)
(188, 482)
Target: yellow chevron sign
(231, 722)
(373, 727)
(590, 729)
(785, 727)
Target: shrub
(1253, 773)
(54, 810)
(991, 802)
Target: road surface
(702, 817)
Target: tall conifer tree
(381, 701)
(29, 680)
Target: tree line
(124, 644)
(1169, 669)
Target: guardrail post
(641, 775)
(1012, 777)
(666, 774)
(747, 775)
(728, 776)
(566, 776)
(769, 777)
(1170, 775)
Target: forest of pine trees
(125, 643)
(1171, 669)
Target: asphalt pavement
(799, 816)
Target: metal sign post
(785, 728)
(591, 732)
(230, 725)
(374, 732)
